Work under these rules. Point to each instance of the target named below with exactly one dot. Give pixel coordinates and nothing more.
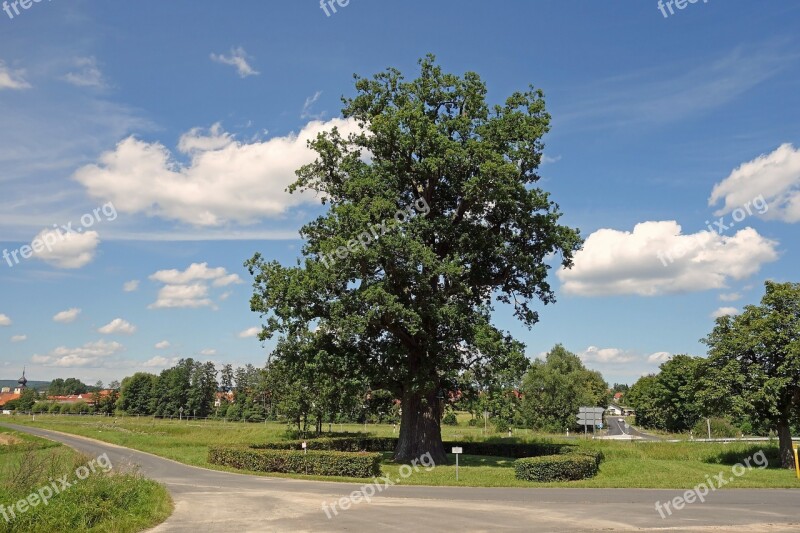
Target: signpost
(796, 463)
(457, 450)
(590, 416)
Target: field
(627, 464)
(103, 500)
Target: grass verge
(103, 500)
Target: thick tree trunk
(420, 429)
(785, 443)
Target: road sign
(457, 450)
(595, 410)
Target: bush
(472, 422)
(388, 444)
(450, 419)
(501, 425)
(720, 429)
(316, 463)
(568, 467)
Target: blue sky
(174, 127)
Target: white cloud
(196, 272)
(730, 296)
(724, 311)
(659, 357)
(12, 79)
(163, 345)
(775, 177)
(66, 250)
(87, 75)
(593, 354)
(309, 103)
(250, 332)
(65, 317)
(225, 295)
(91, 354)
(189, 288)
(208, 352)
(173, 296)
(118, 326)
(130, 286)
(226, 180)
(622, 262)
(4, 320)
(19, 338)
(160, 362)
(238, 59)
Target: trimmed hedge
(388, 444)
(567, 467)
(317, 463)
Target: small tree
(755, 358)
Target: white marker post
(457, 451)
(305, 447)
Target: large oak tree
(411, 308)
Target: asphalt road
(617, 427)
(209, 501)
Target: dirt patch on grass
(7, 440)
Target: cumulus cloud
(66, 250)
(250, 332)
(174, 296)
(91, 354)
(724, 311)
(87, 74)
(208, 352)
(19, 338)
(774, 176)
(593, 354)
(190, 287)
(12, 79)
(4, 320)
(160, 362)
(238, 59)
(130, 286)
(659, 357)
(226, 180)
(656, 258)
(118, 326)
(65, 317)
(163, 345)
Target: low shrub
(720, 429)
(450, 419)
(316, 463)
(567, 467)
(472, 422)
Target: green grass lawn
(106, 500)
(627, 464)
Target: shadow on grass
(754, 453)
(465, 460)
